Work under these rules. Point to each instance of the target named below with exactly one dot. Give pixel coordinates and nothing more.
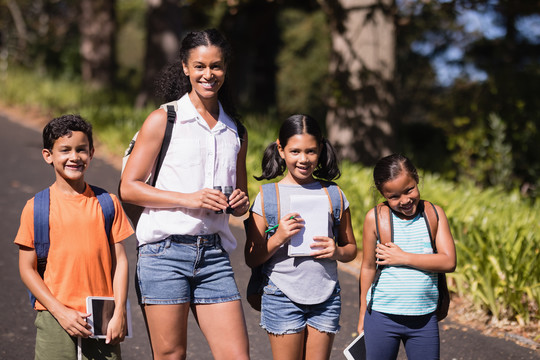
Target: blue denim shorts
(281, 316)
(185, 268)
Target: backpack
(271, 212)
(41, 225)
(385, 233)
(133, 211)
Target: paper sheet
(313, 209)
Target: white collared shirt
(198, 157)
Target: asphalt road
(24, 173)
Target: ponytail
(328, 166)
(272, 164)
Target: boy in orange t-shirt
(83, 260)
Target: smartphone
(101, 310)
(356, 350)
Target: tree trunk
(98, 29)
(166, 25)
(362, 66)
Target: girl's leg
(382, 336)
(224, 327)
(288, 346)
(422, 338)
(167, 328)
(318, 344)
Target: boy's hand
(117, 329)
(74, 322)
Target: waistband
(203, 240)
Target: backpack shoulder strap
(384, 227)
(431, 217)
(107, 206)
(241, 130)
(335, 197)
(41, 234)
(41, 223)
(270, 205)
(171, 117)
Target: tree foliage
(479, 123)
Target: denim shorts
(281, 316)
(185, 268)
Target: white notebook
(313, 209)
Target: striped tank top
(404, 290)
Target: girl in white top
(301, 303)
(182, 240)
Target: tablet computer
(101, 310)
(356, 350)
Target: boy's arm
(117, 328)
(72, 321)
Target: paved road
(24, 173)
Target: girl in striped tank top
(404, 301)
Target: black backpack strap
(171, 117)
(241, 130)
(335, 198)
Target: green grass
(497, 233)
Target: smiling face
(402, 194)
(70, 156)
(301, 155)
(206, 70)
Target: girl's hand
(116, 329)
(239, 202)
(360, 327)
(289, 225)
(207, 199)
(73, 322)
(324, 247)
(390, 254)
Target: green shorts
(54, 343)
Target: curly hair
(65, 125)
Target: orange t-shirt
(79, 262)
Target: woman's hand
(207, 199)
(390, 254)
(239, 202)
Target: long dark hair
(390, 167)
(273, 165)
(172, 83)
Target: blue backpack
(271, 212)
(41, 225)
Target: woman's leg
(318, 344)
(224, 327)
(167, 328)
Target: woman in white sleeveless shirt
(183, 232)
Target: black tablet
(356, 350)
(101, 310)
